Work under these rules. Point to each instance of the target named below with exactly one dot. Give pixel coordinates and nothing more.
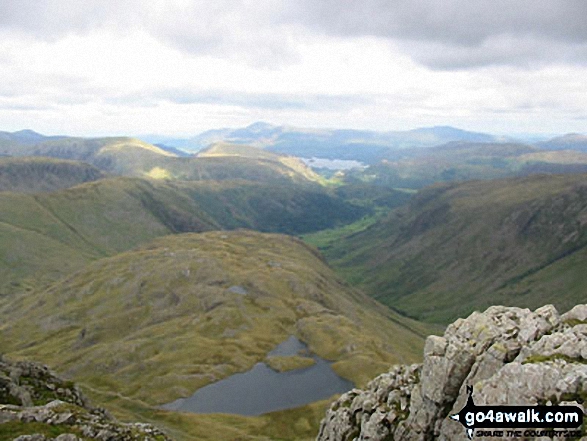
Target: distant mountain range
(361, 145)
(369, 147)
(571, 141)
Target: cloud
(175, 65)
(52, 19)
(459, 33)
(452, 34)
(500, 50)
(224, 28)
(462, 22)
(263, 101)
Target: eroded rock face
(509, 355)
(31, 393)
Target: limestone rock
(31, 393)
(511, 356)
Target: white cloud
(106, 67)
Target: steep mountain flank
(510, 356)
(50, 235)
(31, 175)
(458, 247)
(36, 405)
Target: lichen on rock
(511, 356)
(34, 400)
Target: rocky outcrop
(36, 405)
(509, 355)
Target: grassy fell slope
(133, 157)
(459, 247)
(48, 235)
(118, 155)
(232, 161)
(30, 175)
(158, 322)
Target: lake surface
(332, 164)
(263, 390)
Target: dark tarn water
(263, 390)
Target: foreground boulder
(36, 405)
(511, 356)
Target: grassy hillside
(223, 161)
(132, 157)
(223, 168)
(158, 322)
(115, 155)
(459, 247)
(47, 235)
(30, 175)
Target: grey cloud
(522, 52)
(452, 34)
(265, 101)
(223, 28)
(447, 34)
(50, 19)
(463, 22)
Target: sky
(179, 67)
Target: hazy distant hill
(30, 175)
(571, 141)
(24, 137)
(148, 326)
(132, 157)
(462, 161)
(459, 247)
(362, 145)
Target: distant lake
(332, 164)
(261, 389)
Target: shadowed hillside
(31, 175)
(48, 235)
(459, 247)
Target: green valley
(459, 247)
